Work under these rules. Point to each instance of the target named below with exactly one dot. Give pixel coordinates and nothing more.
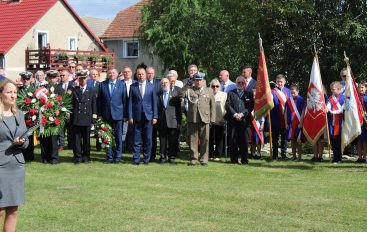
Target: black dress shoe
(204, 164)
(77, 162)
(162, 161)
(190, 164)
(244, 162)
(108, 162)
(136, 164)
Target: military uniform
(83, 115)
(200, 113)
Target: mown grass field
(264, 196)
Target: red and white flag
(314, 121)
(264, 98)
(353, 117)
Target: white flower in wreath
(30, 94)
(51, 119)
(53, 95)
(33, 100)
(52, 89)
(34, 117)
(42, 108)
(314, 100)
(64, 109)
(348, 104)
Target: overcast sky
(106, 9)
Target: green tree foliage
(223, 34)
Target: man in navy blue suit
(112, 107)
(142, 114)
(156, 82)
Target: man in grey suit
(250, 83)
(169, 120)
(200, 113)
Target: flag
(314, 121)
(353, 119)
(264, 98)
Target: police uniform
(83, 115)
(200, 113)
(49, 144)
(28, 152)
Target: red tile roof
(17, 18)
(126, 23)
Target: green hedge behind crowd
(223, 34)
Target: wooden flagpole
(327, 122)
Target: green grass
(264, 196)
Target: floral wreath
(44, 106)
(104, 133)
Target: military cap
(82, 73)
(26, 75)
(52, 73)
(199, 76)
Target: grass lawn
(264, 196)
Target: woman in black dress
(12, 171)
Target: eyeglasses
(62, 75)
(215, 86)
(71, 66)
(240, 82)
(344, 76)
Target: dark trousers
(168, 143)
(336, 146)
(276, 132)
(81, 144)
(28, 153)
(49, 149)
(154, 143)
(216, 138)
(142, 132)
(239, 143)
(115, 154)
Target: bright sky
(106, 9)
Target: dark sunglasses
(240, 82)
(215, 86)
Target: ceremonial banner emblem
(314, 122)
(264, 98)
(351, 127)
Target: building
(122, 37)
(38, 25)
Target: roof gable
(17, 18)
(126, 23)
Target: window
(131, 49)
(42, 39)
(2, 61)
(72, 43)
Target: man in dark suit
(239, 106)
(49, 144)
(156, 82)
(93, 83)
(66, 85)
(169, 120)
(112, 107)
(250, 83)
(142, 115)
(83, 115)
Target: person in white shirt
(226, 84)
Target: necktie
(111, 87)
(82, 89)
(141, 89)
(65, 87)
(240, 93)
(246, 84)
(165, 98)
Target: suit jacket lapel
(11, 132)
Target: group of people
(145, 108)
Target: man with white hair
(173, 77)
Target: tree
(223, 34)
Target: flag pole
(327, 122)
(268, 114)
